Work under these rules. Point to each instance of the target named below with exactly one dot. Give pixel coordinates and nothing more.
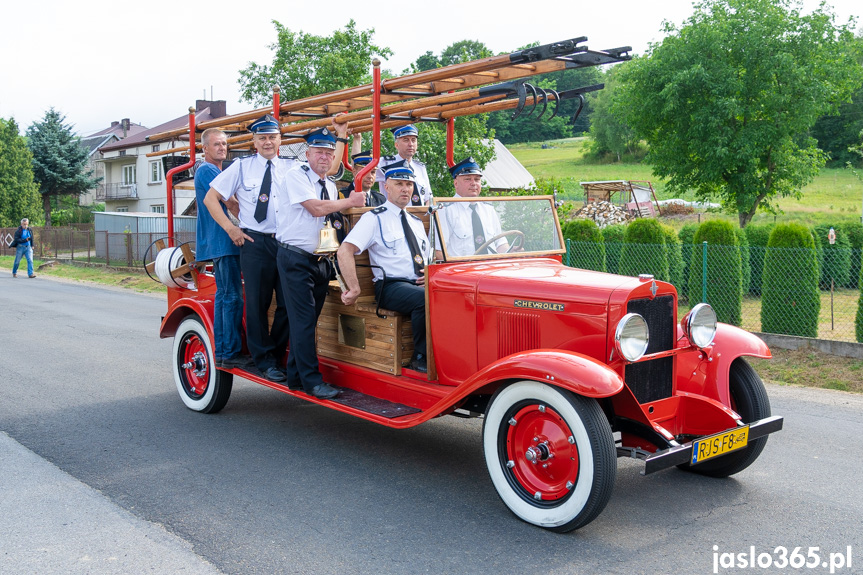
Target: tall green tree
(609, 132)
(19, 194)
(59, 161)
(307, 65)
(726, 101)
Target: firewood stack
(604, 214)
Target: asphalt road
(275, 485)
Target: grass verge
(138, 282)
(811, 368)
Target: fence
(788, 291)
(73, 244)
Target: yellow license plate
(719, 444)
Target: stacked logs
(604, 214)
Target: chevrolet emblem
(653, 288)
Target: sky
(99, 61)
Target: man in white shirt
(406, 147)
(397, 242)
(466, 226)
(301, 207)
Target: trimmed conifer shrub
(854, 232)
(644, 250)
(675, 257)
(613, 236)
(586, 246)
(757, 236)
(686, 235)
(790, 307)
(724, 291)
(836, 257)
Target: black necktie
(478, 232)
(264, 197)
(416, 255)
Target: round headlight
(631, 337)
(699, 325)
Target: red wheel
(544, 461)
(201, 386)
(550, 455)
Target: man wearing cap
(213, 243)
(253, 180)
(406, 146)
(360, 160)
(301, 206)
(397, 242)
(466, 226)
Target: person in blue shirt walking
(214, 243)
(23, 243)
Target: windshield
(486, 228)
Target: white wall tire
(550, 455)
(201, 386)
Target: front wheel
(550, 454)
(202, 387)
(749, 400)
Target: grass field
(835, 195)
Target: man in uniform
(397, 242)
(360, 160)
(406, 146)
(253, 180)
(301, 206)
(466, 226)
(213, 243)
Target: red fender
(183, 308)
(566, 369)
(705, 372)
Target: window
(155, 172)
(129, 175)
(122, 153)
(122, 209)
(155, 147)
(158, 209)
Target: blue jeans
(228, 307)
(22, 251)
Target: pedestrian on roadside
(23, 244)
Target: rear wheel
(550, 455)
(201, 386)
(749, 400)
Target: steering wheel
(516, 244)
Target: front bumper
(679, 454)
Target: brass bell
(328, 242)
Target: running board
(680, 454)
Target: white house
(135, 183)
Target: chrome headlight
(699, 325)
(631, 337)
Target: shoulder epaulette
(246, 157)
(379, 210)
(388, 157)
(305, 167)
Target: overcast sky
(96, 61)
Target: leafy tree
(586, 243)
(644, 250)
(609, 132)
(836, 134)
(19, 195)
(59, 161)
(724, 282)
(725, 102)
(790, 307)
(307, 65)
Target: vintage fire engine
(569, 368)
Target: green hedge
(790, 307)
(724, 284)
(644, 250)
(758, 237)
(613, 236)
(675, 257)
(836, 258)
(686, 235)
(854, 232)
(585, 245)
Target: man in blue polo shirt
(214, 243)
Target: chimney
(125, 123)
(114, 124)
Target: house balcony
(117, 192)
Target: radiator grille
(516, 331)
(652, 380)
